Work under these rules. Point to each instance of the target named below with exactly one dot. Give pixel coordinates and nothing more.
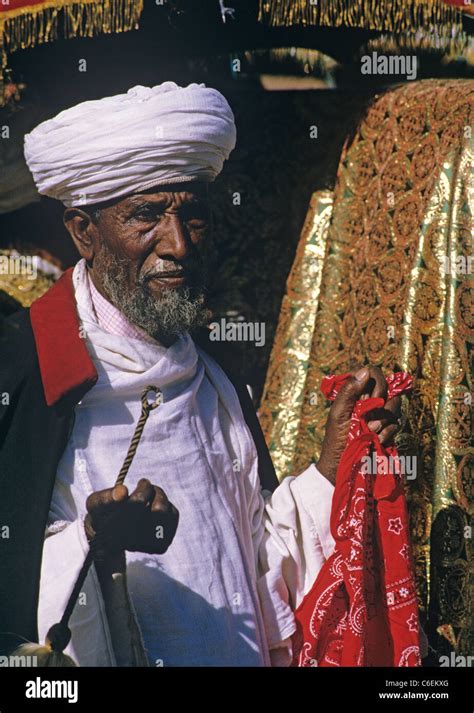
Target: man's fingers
(378, 419)
(160, 502)
(146, 521)
(390, 410)
(143, 495)
(387, 435)
(378, 383)
(106, 500)
(364, 382)
(350, 392)
(103, 507)
(151, 530)
(395, 406)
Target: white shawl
(224, 592)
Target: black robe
(45, 370)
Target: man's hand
(364, 383)
(145, 521)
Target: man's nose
(174, 240)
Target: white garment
(224, 591)
(111, 147)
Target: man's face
(149, 260)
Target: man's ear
(84, 232)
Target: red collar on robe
(64, 362)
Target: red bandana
(362, 608)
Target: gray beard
(164, 318)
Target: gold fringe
(34, 24)
(459, 46)
(382, 15)
(303, 56)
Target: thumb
(352, 390)
(108, 500)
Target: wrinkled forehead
(184, 192)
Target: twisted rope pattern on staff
(59, 634)
(147, 406)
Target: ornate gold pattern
(388, 290)
(16, 288)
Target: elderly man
(219, 587)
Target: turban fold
(111, 147)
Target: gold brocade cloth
(383, 276)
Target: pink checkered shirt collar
(112, 320)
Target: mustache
(170, 268)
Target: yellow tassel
(51, 653)
(44, 655)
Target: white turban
(111, 147)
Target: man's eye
(195, 219)
(196, 223)
(147, 215)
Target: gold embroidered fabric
(19, 285)
(382, 276)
